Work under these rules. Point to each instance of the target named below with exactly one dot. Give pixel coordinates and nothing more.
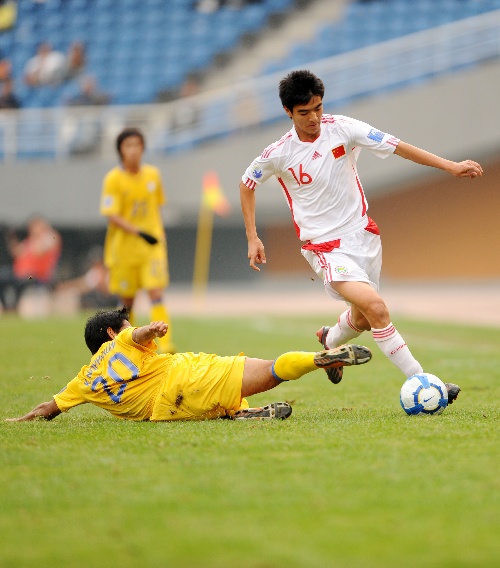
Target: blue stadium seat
(199, 57)
(6, 41)
(278, 5)
(79, 5)
(122, 35)
(127, 37)
(254, 17)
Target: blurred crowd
(35, 254)
(34, 261)
(49, 67)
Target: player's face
(131, 151)
(307, 119)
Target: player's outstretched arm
(256, 252)
(143, 335)
(467, 168)
(46, 410)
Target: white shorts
(358, 259)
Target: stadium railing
(179, 125)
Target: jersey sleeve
(125, 336)
(70, 396)
(110, 197)
(260, 170)
(362, 134)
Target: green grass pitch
(348, 481)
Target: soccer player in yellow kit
(129, 379)
(135, 250)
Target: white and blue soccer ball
(423, 394)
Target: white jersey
(319, 179)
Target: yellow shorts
(200, 386)
(126, 279)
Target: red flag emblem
(339, 151)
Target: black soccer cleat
(453, 391)
(335, 374)
(275, 410)
(333, 360)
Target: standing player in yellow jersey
(130, 380)
(135, 250)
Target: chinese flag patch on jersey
(338, 152)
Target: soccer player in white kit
(315, 164)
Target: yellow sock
(291, 366)
(159, 313)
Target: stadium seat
(122, 36)
(255, 17)
(275, 6)
(367, 23)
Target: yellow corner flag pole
(202, 253)
(212, 201)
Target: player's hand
(158, 328)
(467, 168)
(148, 238)
(256, 253)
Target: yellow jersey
(123, 377)
(136, 197)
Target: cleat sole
(273, 411)
(343, 356)
(334, 360)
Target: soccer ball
(423, 394)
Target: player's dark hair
(127, 133)
(96, 328)
(299, 87)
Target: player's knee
(360, 322)
(377, 313)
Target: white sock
(342, 331)
(394, 347)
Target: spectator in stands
(207, 6)
(35, 261)
(8, 98)
(5, 69)
(91, 287)
(46, 67)
(89, 94)
(76, 61)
